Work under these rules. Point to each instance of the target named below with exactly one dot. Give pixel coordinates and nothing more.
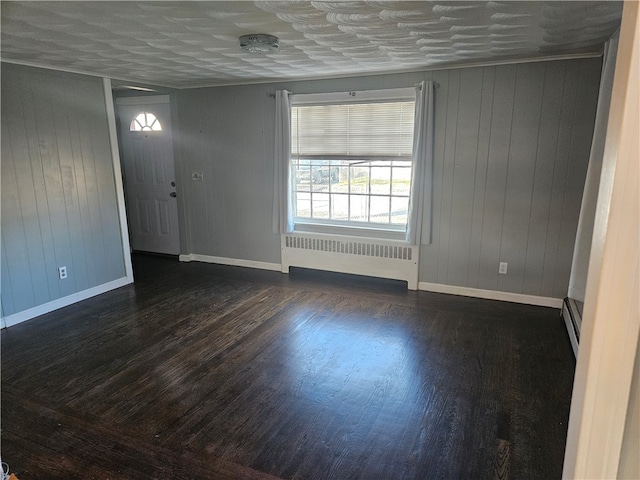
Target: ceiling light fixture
(259, 43)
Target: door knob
(173, 194)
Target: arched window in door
(145, 122)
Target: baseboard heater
(356, 255)
(573, 321)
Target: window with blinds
(351, 161)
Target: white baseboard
(25, 315)
(236, 262)
(573, 338)
(491, 294)
(429, 287)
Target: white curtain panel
(419, 226)
(282, 201)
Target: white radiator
(361, 256)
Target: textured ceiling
(184, 44)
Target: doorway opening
(149, 179)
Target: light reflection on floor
(354, 366)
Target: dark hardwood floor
(209, 372)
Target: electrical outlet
(503, 268)
(197, 176)
(62, 272)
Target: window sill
(349, 231)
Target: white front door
(149, 173)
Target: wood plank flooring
(209, 372)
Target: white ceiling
(183, 44)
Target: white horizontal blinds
(351, 158)
(381, 129)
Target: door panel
(149, 172)
(164, 222)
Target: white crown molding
(74, 71)
(213, 83)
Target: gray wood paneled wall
(58, 191)
(511, 151)
(511, 154)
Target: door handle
(173, 194)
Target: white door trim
(146, 100)
(611, 320)
(148, 203)
(117, 172)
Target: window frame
(146, 128)
(350, 227)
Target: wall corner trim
(117, 176)
(491, 294)
(65, 301)
(235, 262)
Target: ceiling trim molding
(89, 74)
(145, 100)
(549, 58)
(490, 63)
